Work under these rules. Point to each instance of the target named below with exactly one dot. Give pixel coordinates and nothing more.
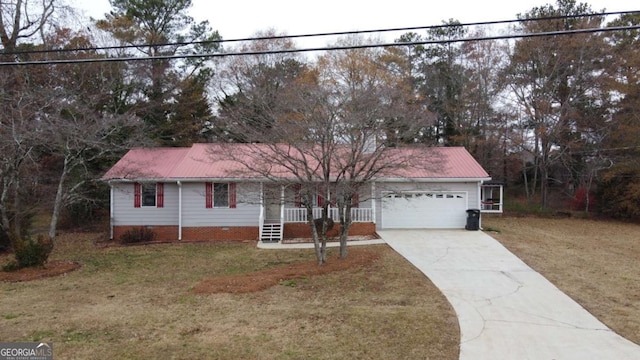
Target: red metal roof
(147, 163)
(229, 161)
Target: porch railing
(299, 215)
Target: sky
(243, 18)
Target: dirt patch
(262, 280)
(52, 268)
(332, 239)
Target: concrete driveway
(506, 310)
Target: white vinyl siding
(195, 213)
(125, 213)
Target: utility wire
(333, 48)
(340, 33)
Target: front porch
(293, 222)
(283, 216)
(299, 215)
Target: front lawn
(138, 302)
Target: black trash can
(473, 219)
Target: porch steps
(271, 232)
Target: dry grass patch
(594, 262)
(139, 302)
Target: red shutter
(232, 195)
(320, 200)
(160, 195)
(355, 200)
(208, 195)
(137, 195)
(298, 196)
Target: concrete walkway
(505, 309)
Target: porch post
(373, 201)
(261, 216)
(281, 204)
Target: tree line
(554, 117)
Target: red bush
(579, 201)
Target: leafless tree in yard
(53, 115)
(324, 130)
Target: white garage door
(415, 210)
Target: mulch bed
(52, 268)
(331, 239)
(262, 280)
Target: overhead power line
(334, 48)
(324, 34)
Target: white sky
(242, 18)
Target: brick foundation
(163, 233)
(238, 233)
(221, 233)
(211, 233)
(301, 230)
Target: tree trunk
(314, 233)
(323, 232)
(17, 206)
(345, 225)
(57, 205)
(6, 225)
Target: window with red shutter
(208, 194)
(220, 195)
(232, 196)
(148, 194)
(298, 196)
(160, 195)
(355, 200)
(137, 195)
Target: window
(220, 195)
(148, 195)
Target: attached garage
(424, 209)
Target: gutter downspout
(261, 216)
(480, 204)
(179, 210)
(281, 213)
(111, 212)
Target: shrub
(619, 192)
(5, 241)
(32, 253)
(579, 200)
(318, 224)
(137, 235)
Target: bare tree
(556, 83)
(324, 131)
(375, 105)
(55, 118)
(20, 21)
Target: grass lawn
(138, 302)
(597, 263)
